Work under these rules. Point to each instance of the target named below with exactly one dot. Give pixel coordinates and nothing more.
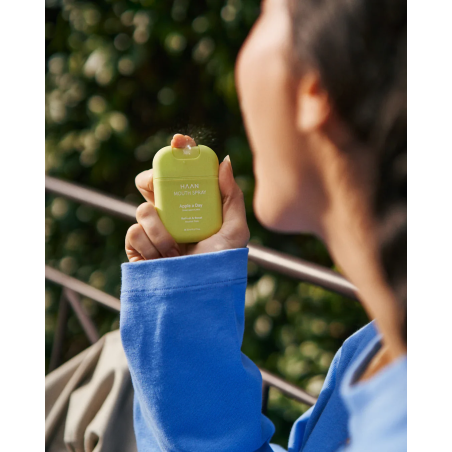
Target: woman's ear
(313, 106)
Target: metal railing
(265, 257)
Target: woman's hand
(149, 239)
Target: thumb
(234, 214)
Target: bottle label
(191, 209)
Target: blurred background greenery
(121, 78)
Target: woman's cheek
(266, 94)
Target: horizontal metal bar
(97, 295)
(289, 389)
(301, 269)
(90, 197)
(82, 288)
(265, 257)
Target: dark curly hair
(359, 48)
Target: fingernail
(228, 159)
(173, 252)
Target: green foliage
(121, 78)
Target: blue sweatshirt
(182, 323)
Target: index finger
(145, 184)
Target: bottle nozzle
(180, 141)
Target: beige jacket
(89, 401)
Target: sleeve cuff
(185, 271)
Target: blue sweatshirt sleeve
(182, 323)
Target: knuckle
(134, 233)
(144, 210)
(155, 230)
(164, 242)
(152, 228)
(143, 180)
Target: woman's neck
(351, 239)
(346, 226)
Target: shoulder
(377, 407)
(324, 426)
(360, 339)
(353, 347)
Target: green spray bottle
(187, 194)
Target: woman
(322, 86)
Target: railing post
(86, 322)
(60, 330)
